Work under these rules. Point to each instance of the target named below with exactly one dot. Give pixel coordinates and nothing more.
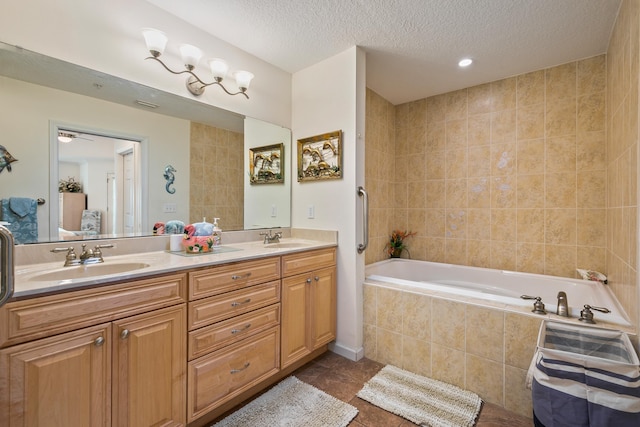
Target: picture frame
(266, 164)
(320, 157)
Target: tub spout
(563, 306)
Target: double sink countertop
(44, 278)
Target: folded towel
(22, 214)
(21, 206)
(174, 227)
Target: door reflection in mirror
(108, 169)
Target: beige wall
(216, 176)
(623, 65)
(509, 174)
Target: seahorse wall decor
(170, 177)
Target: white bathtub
(498, 286)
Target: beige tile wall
(623, 65)
(216, 176)
(509, 174)
(481, 349)
(379, 154)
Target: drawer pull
(235, 371)
(98, 341)
(236, 303)
(237, 331)
(124, 334)
(241, 276)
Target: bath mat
(292, 403)
(421, 400)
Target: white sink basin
(90, 270)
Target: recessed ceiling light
(465, 62)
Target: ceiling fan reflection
(66, 137)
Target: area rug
(421, 400)
(292, 403)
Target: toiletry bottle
(217, 233)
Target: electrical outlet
(169, 208)
(311, 212)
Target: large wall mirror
(188, 160)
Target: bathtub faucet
(563, 306)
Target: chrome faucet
(90, 256)
(271, 238)
(563, 305)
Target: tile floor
(343, 378)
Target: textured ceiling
(412, 46)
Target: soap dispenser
(217, 233)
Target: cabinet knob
(235, 371)
(124, 334)
(237, 331)
(309, 280)
(236, 303)
(317, 278)
(98, 341)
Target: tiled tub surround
(478, 345)
(509, 174)
(500, 287)
(563, 140)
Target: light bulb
(219, 68)
(190, 55)
(156, 41)
(243, 79)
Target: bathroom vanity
(178, 340)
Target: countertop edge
(160, 262)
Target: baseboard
(349, 353)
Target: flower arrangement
(396, 244)
(69, 186)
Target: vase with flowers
(396, 244)
(69, 186)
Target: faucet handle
(71, 253)
(538, 305)
(98, 253)
(586, 315)
(70, 258)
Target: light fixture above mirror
(157, 41)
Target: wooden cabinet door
(295, 319)
(323, 307)
(64, 380)
(149, 369)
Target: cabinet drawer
(307, 261)
(220, 334)
(33, 318)
(229, 277)
(220, 376)
(220, 307)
